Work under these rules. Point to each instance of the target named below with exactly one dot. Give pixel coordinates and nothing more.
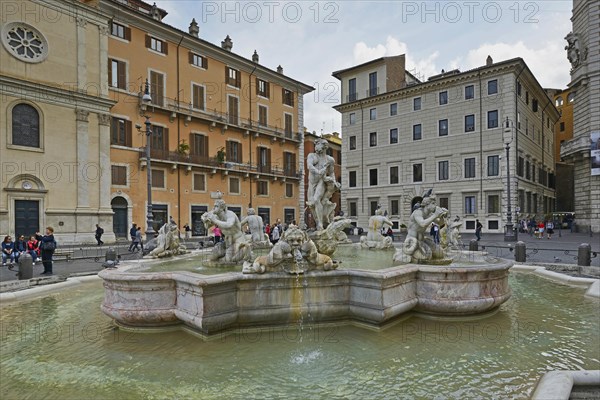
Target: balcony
(373, 91)
(351, 97)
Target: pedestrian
(138, 240)
(8, 250)
(20, 247)
(188, 231)
(99, 233)
(275, 234)
(550, 229)
(132, 233)
(478, 228)
(33, 247)
(47, 246)
(390, 233)
(541, 228)
(218, 234)
(532, 226)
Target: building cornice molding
(76, 10)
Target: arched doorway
(119, 207)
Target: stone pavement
(558, 250)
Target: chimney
(193, 29)
(280, 69)
(255, 57)
(227, 44)
(488, 61)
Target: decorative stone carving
(236, 248)
(104, 30)
(575, 54)
(104, 119)
(82, 115)
(321, 184)
(450, 234)
(258, 237)
(295, 253)
(81, 22)
(24, 42)
(166, 244)
(328, 239)
(374, 238)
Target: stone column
(103, 57)
(81, 54)
(82, 158)
(104, 160)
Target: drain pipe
(178, 139)
(250, 138)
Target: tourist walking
(138, 240)
(132, 233)
(188, 231)
(47, 246)
(8, 250)
(218, 234)
(99, 233)
(541, 228)
(275, 234)
(550, 229)
(478, 228)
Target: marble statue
(573, 49)
(374, 238)
(418, 246)
(450, 234)
(327, 240)
(321, 184)
(166, 244)
(235, 248)
(295, 253)
(256, 225)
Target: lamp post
(146, 99)
(510, 234)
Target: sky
(311, 39)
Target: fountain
(426, 279)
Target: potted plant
(183, 148)
(221, 156)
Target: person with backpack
(132, 233)
(478, 228)
(550, 229)
(99, 233)
(47, 246)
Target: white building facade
(448, 133)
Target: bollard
(25, 266)
(520, 251)
(473, 245)
(584, 255)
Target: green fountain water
(63, 347)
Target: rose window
(24, 42)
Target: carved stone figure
(321, 184)
(167, 242)
(418, 246)
(327, 240)
(295, 253)
(235, 248)
(450, 234)
(572, 49)
(374, 238)
(255, 223)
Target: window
(262, 115)
(234, 185)
(519, 86)
(234, 151)
(289, 163)
(288, 125)
(559, 101)
(469, 123)
(562, 126)
(372, 139)
(352, 208)
(232, 77)
(352, 179)
(416, 104)
(518, 120)
(263, 212)
(534, 105)
(199, 182)
(262, 88)
(443, 127)
(493, 206)
(289, 190)
(469, 92)
(571, 98)
(117, 75)
(289, 215)
(159, 140)
(264, 159)
(198, 97)
(493, 166)
(492, 119)
(393, 109)
(417, 172)
(526, 97)
(493, 224)
(443, 170)
(373, 89)
(469, 204)
(373, 206)
(352, 119)
(444, 202)
(470, 167)
(198, 60)
(157, 88)
(288, 97)
(352, 143)
(394, 176)
(120, 132)
(373, 114)
(199, 146)
(393, 136)
(262, 188)
(156, 45)
(233, 110)
(373, 175)
(493, 86)
(444, 97)
(417, 132)
(120, 31)
(158, 178)
(520, 166)
(352, 90)
(527, 170)
(118, 174)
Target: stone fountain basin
(214, 303)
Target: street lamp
(147, 99)
(510, 234)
